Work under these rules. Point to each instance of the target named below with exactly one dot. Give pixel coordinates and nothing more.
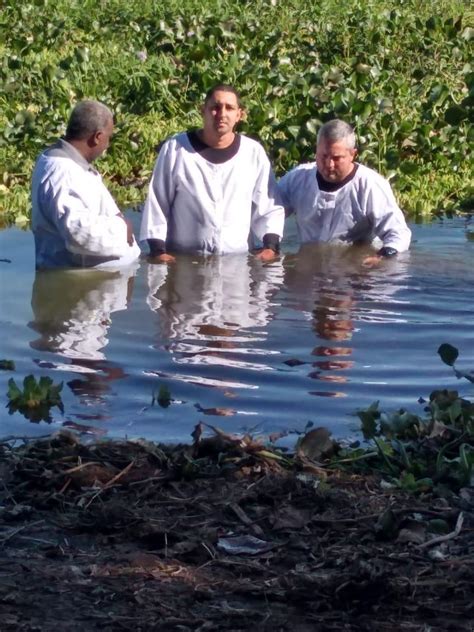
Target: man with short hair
(75, 220)
(338, 200)
(212, 190)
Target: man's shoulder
(369, 176)
(58, 171)
(174, 142)
(305, 166)
(248, 143)
(49, 162)
(305, 170)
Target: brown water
(310, 338)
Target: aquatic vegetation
(162, 397)
(433, 452)
(419, 453)
(7, 365)
(402, 72)
(449, 355)
(36, 399)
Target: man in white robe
(212, 190)
(338, 200)
(75, 220)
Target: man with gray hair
(338, 200)
(75, 221)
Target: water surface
(238, 344)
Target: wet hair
(222, 87)
(87, 118)
(335, 131)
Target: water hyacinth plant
(36, 399)
(401, 72)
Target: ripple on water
(312, 337)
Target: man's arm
(158, 205)
(388, 219)
(268, 215)
(284, 192)
(86, 216)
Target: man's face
(102, 139)
(334, 160)
(221, 113)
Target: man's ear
(98, 136)
(94, 139)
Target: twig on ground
(448, 536)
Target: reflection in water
(334, 290)
(213, 314)
(399, 313)
(72, 315)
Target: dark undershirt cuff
(272, 241)
(157, 247)
(386, 251)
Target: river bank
(225, 534)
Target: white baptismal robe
(75, 220)
(197, 206)
(359, 211)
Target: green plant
(7, 365)
(163, 397)
(416, 453)
(449, 355)
(401, 72)
(36, 399)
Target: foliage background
(399, 70)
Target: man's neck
(81, 146)
(215, 141)
(331, 187)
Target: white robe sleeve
(388, 220)
(86, 217)
(285, 191)
(268, 215)
(161, 193)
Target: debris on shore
(231, 534)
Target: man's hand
(372, 260)
(163, 258)
(130, 238)
(266, 254)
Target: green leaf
(7, 365)
(448, 354)
(369, 420)
(466, 458)
(164, 396)
(455, 115)
(316, 444)
(29, 386)
(14, 392)
(294, 130)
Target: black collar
(211, 154)
(331, 187)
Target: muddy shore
(216, 536)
